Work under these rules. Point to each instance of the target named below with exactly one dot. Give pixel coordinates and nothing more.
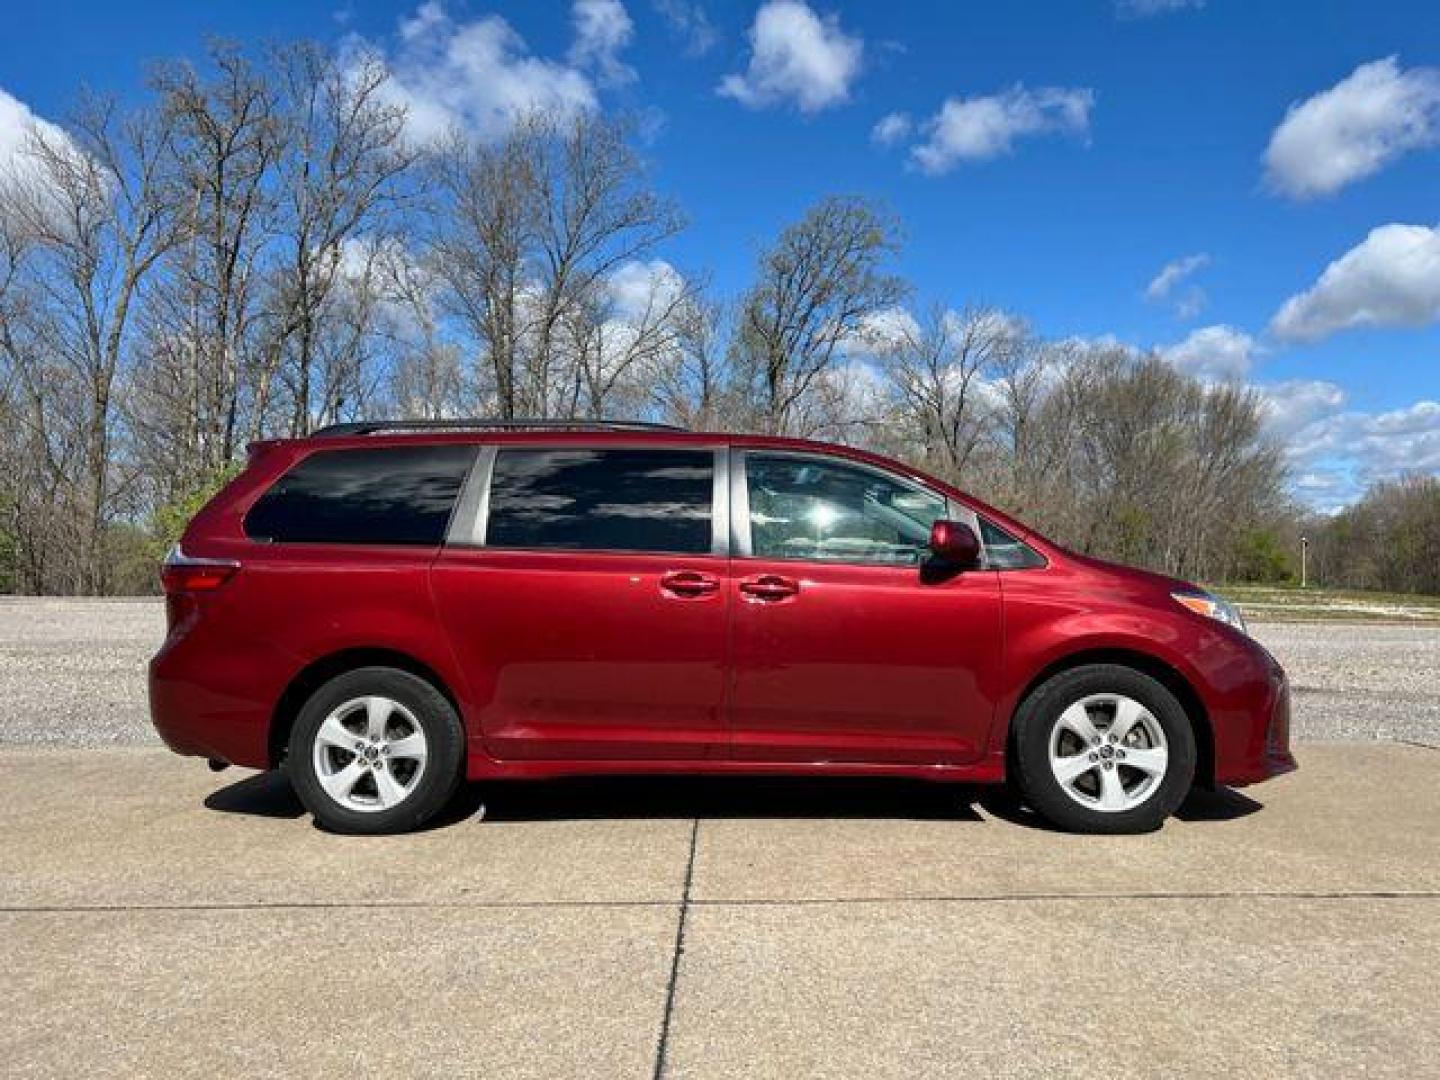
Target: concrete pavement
(160, 920)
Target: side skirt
(479, 766)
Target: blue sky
(1049, 158)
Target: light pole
(1304, 559)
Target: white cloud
(1336, 453)
(688, 19)
(891, 128)
(1173, 273)
(640, 286)
(1191, 303)
(797, 57)
(632, 328)
(1214, 352)
(1326, 488)
(602, 29)
(478, 77)
(887, 329)
(1354, 129)
(1392, 278)
(858, 388)
(1295, 404)
(1368, 447)
(1192, 300)
(979, 128)
(16, 122)
(1144, 9)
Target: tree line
(259, 248)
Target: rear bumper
(210, 703)
(191, 725)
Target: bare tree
(340, 178)
(525, 238)
(597, 214)
(23, 456)
(481, 239)
(201, 322)
(691, 387)
(939, 370)
(426, 378)
(816, 288)
(97, 207)
(1124, 456)
(620, 348)
(347, 337)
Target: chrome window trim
(740, 539)
(475, 497)
(720, 503)
(467, 521)
(739, 505)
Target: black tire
(433, 784)
(1037, 718)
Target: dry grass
(1278, 603)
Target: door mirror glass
(955, 542)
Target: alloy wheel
(369, 754)
(1108, 752)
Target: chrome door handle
(689, 583)
(770, 588)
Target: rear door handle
(770, 588)
(688, 584)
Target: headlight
(1204, 603)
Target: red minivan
(385, 609)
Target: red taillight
(187, 579)
(198, 576)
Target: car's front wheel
(1104, 749)
(375, 750)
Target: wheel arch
(318, 672)
(1147, 664)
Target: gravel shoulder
(72, 673)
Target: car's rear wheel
(375, 750)
(1104, 749)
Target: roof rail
(377, 427)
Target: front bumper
(1262, 750)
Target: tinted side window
(389, 495)
(801, 508)
(602, 500)
(1004, 552)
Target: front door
(847, 644)
(588, 607)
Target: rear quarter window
(385, 495)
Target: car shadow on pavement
(266, 794)
(716, 797)
(269, 794)
(1220, 804)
